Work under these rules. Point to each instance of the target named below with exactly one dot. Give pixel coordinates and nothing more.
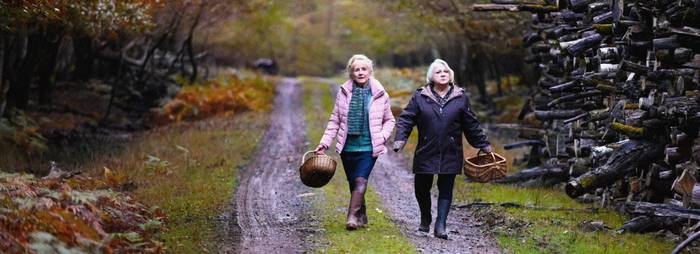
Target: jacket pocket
(454, 145)
(426, 146)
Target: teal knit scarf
(357, 119)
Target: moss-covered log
(633, 154)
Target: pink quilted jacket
(381, 121)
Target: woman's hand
(398, 145)
(320, 149)
(487, 149)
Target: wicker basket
(317, 171)
(485, 167)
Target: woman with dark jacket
(440, 110)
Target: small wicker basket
(485, 167)
(317, 171)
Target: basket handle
(303, 158)
(491, 153)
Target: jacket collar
(456, 92)
(374, 86)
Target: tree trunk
(533, 173)
(630, 155)
(557, 114)
(188, 42)
(193, 62)
(661, 210)
(644, 224)
(47, 67)
(479, 79)
(19, 89)
(3, 85)
(574, 96)
(84, 56)
(496, 74)
(112, 95)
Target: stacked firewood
(618, 97)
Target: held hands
(487, 149)
(398, 145)
(320, 149)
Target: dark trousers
(424, 182)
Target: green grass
(556, 231)
(202, 185)
(189, 171)
(381, 235)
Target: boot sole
(351, 227)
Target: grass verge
(189, 171)
(381, 235)
(556, 231)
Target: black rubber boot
(440, 222)
(426, 217)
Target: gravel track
(270, 213)
(270, 209)
(393, 181)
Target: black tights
(424, 182)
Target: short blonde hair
(429, 75)
(359, 58)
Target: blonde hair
(359, 58)
(429, 75)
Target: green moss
(381, 235)
(629, 130)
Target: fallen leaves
(80, 214)
(224, 96)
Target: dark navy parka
(439, 149)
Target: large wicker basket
(485, 167)
(317, 171)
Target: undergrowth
(186, 169)
(228, 94)
(77, 215)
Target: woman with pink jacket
(362, 121)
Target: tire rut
(269, 208)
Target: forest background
(82, 83)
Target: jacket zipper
(442, 116)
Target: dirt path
(270, 213)
(393, 181)
(270, 208)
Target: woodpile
(618, 97)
